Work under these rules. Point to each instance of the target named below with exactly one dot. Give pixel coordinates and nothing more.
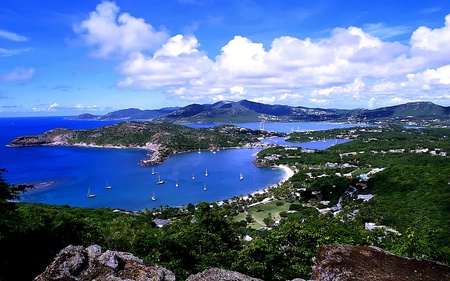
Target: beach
(288, 173)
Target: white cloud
(432, 45)
(350, 64)
(371, 103)
(320, 102)
(355, 90)
(177, 63)
(383, 31)
(267, 99)
(12, 52)
(18, 74)
(237, 90)
(53, 106)
(12, 36)
(110, 32)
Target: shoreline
(288, 173)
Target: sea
(63, 175)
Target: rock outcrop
(217, 274)
(83, 264)
(352, 263)
(332, 263)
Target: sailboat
(153, 197)
(107, 186)
(153, 171)
(204, 187)
(177, 185)
(89, 194)
(206, 172)
(193, 177)
(160, 181)
(199, 151)
(241, 177)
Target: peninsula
(163, 139)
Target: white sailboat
(241, 177)
(153, 171)
(153, 197)
(204, 187)
(108, 186)
(206, 172)
(177, 185)
(193, 176)
(89, 194)
(160, 181)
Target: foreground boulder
(216, 274)
(79, 263)
(352, 263)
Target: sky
(65, 58)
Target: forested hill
(164, 138)
(415, 113)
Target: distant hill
(164, 139)
(128, 114)
(414, 113)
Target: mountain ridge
(413, 113)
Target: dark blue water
(63, 175)
(319, 144)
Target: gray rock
(74, 263)
(216, 274)
(359, 263)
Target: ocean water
(63, 175)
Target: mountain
(248, 111)
(130, 113)
(414, 113)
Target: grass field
(261, 211)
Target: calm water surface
(63, 175)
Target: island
(162, 139)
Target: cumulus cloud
(177, 63)
(432, 45)
(110, 32)
(18, 74)
(349, 64)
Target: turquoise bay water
(62, 175)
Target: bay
(62, 175)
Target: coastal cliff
(162, 139)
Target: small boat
(160, 181)
(153, 171)
(241, 177)
(206, 172)
(199, 151)
(107, 186)
(89, 194)
(177, 185)
(204, 187)
(153, 197)
(193, 177)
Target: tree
(9, 192)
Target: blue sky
(72, 57)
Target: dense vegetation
(167, 138)
(407, 170)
